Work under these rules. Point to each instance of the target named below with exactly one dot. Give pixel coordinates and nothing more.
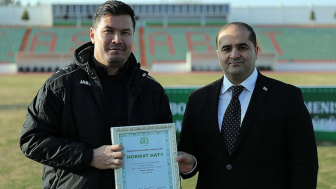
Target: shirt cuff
(195, 165)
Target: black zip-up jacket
(67, 120)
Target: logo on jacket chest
(85, 82)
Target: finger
(114, 163)
(116, 155)
(180, 153)
(118, 161)
(112, 149)
(115, 166)
(116, 147)
(186, 158)
(181, 156)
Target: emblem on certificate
(149, 161)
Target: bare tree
(6, 2)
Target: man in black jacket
(67, 127)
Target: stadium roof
(233, 3)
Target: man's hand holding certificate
(108, 157)
(149, 161)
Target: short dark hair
(113, 7)
(252, 36)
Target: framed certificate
(149, 161)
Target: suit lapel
(258, 97)
(214, 93)
(213, 98)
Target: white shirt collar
(248, 83)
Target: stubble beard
(116, 62)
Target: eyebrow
(239, 44)
(126, 29)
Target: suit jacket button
(229, 167)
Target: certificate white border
(170, 127)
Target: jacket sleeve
(301, 144)
(41, 138)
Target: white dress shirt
(244, 98)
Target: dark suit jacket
(276, 147)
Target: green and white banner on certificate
(149, 161)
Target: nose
(234, 54)
(117, 38)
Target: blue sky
(233, 3)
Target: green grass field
(16, 92)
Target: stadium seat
(10, 42)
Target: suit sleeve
(186, 142)
(301, 144)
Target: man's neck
(112, 71)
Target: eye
(126, 33)
(226, 49)
(242, 48)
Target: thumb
(182, 156)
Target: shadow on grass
(326, 143)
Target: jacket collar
(248, 83)
(82, 58)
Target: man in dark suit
(270, 145)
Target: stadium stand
(170, 44)
(59, 39)
(56, 40)
(10, 42)
(167, 34)
(292, 44)
(300, 43)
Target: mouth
(115, 49)
(235, 63)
